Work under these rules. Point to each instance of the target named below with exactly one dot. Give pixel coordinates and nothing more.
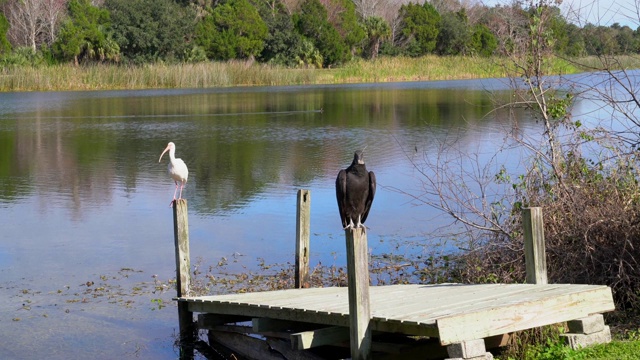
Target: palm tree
(377, 31)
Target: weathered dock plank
(474, 300)
(450, 312)
(528, 297)
(441, 297)
(534, 310)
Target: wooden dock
(450, 312)
(453, 321)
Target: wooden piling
(183, 277)
(358, 277)
(303, 230)
(534, 251)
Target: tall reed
(618, 62)
(426, 68)
(242, 73)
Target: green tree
(483, 42)
(347, 24)
(454, 35)
(600, 40)
(232, 30)
(309, 55)
(5, 45)
(377, 31)
(419, 28)
(626, 41)
(151, 30)
(313, 24)
(85, 34)
(283, 43)
(574, 45)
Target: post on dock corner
(183, 277)
(534, 247)
(358, 283)
(303, 231)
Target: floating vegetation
(159, 304)
(130, 288)
(117, 289)
(217, 278)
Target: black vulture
(355, 189)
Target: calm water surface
(84, 201)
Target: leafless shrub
(584, 177)
(592, 236)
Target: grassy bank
(236, 73)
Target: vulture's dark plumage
(355, 189)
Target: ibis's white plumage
(177, 169)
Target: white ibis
(177, 169)
(355, 189)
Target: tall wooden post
(358, 277)
(183, 277)
(303, 231)
(534, 252)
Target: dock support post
(534, 252)
(587, 331)
(183, 278)
(303, 231)
(358, 277)
(470, 349)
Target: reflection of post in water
(183, 277)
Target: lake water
(85, 203)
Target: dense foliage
(86, 35)
(313, 24)
(232, 30)
(283, 44)
(151, 30)
(318, 33)
(5, 45)
(377, 31)
(420, 28)
(482, 41)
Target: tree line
(312, 33)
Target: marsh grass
(242, 73)
(595, 63)
(427, 68)
(157, 76)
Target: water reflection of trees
(80, 148)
